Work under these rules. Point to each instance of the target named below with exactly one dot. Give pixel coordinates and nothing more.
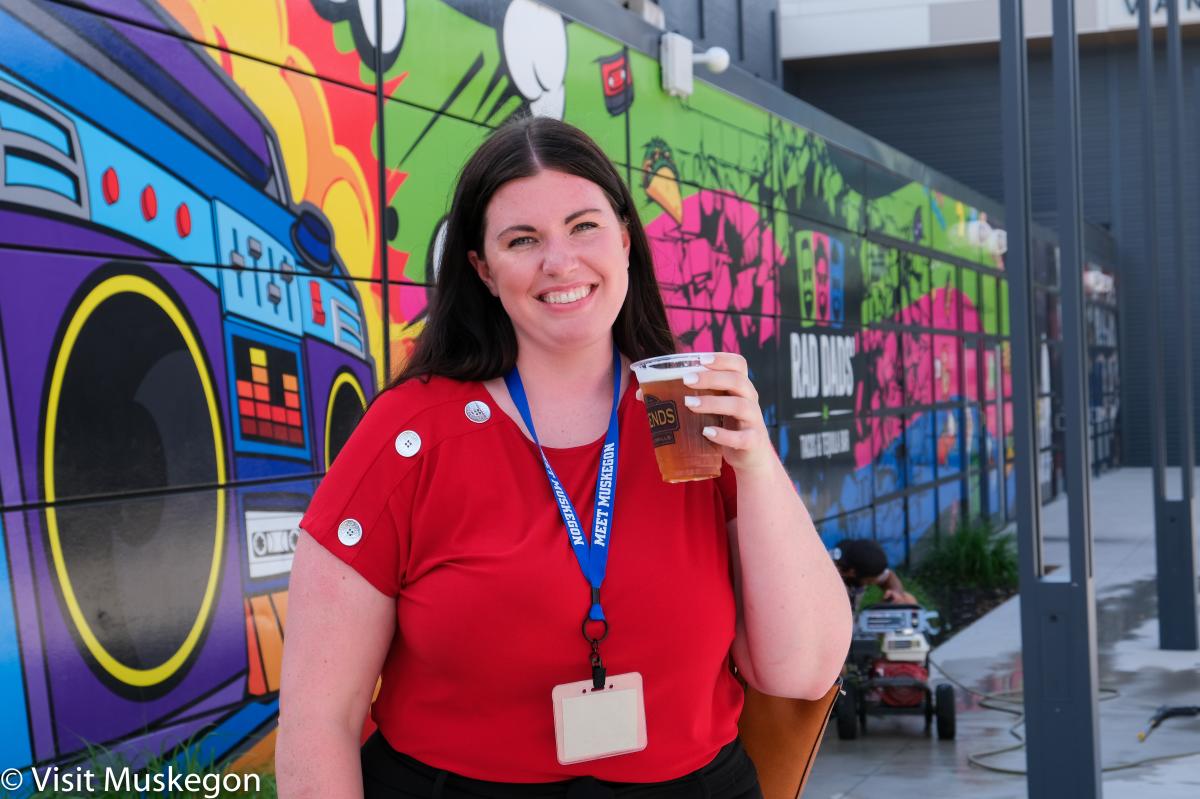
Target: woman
(436, 551)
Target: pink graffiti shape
(722, 257)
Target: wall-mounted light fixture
(677, 58)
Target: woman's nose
(557, 257)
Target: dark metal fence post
(1174, 519)
(1057, 615)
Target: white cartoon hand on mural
(535, 49)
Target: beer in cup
(683, 452)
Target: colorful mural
(219, 224)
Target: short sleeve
(727, 487)
(352, 513)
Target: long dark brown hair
(468, 335)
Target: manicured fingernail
(691, 380)
(691, 402)
(707, 358)
(711, 432)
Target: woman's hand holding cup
(717, 391)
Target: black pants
(388, 774)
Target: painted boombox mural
(171, 323)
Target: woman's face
(557, 256)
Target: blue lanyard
(593, 560)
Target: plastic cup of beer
(683, 453)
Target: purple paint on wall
(143, 748)
(10, 484)
(35, 230)
(194, 71)
(37, 692)
(219, 700)
(324, 362)
(133, 10)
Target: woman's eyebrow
(578, 214)
(516, 229)
(532, 229)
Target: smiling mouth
(566, 297)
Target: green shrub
(975, 556)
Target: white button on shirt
(477, 411)
(408, 443)
(350, 532)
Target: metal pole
(1158, 437)
(382, 206)
(1178, 575)
(1014, 118)
(1175, 537)
(1070, 234)
(1057, 615)
(1072, 715)
(1182, 274)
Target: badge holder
(592, 723)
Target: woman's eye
(586, 226)
(520, 241)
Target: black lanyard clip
(599, 675)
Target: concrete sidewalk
(896, 761)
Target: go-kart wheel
(945, 712)
(928, 705)
(847, 713)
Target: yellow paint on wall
(346, 206)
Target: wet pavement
(897, 761)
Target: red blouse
(454, 517)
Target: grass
(114, 777)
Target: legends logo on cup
(664, 420)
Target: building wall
(946, 111)
(218, 233)
(748, 29)
(823, 28)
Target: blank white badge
(591, 724)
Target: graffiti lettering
(837, 370)
(806, 374)
(824, 444)
(822, 366)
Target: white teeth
(564, 297)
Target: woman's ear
(625, 240)
(481, 268)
